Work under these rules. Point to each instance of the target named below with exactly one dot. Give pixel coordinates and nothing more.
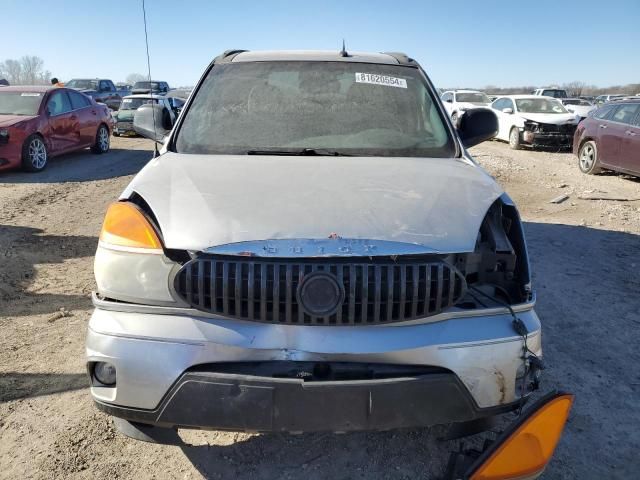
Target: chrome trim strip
(319, 248)
(146, 338)
(191, 312)
(119, 248)
(489, 342)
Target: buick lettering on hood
(313, 250)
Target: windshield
(555, 93)
(135, 103)
(83, 84)
(146, 85)
(539, 105)
(20, 103)
(472, 97)
(350, 108)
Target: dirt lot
(585, 257)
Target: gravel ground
(584, 254)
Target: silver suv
(314, 249)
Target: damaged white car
(534, 120)
(313, 250)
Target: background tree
(29, 70)
(135, 77)
(574, 89)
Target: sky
(459, 44)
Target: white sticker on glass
(29, 94)
(376, 79)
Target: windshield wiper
(323, 152)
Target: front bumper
(11, 153)
(124, 128)
(201, 399)
(550, 139)
(165, 360)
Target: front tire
(514, 139)
(34, 154)
(588, 158)
(102, 140)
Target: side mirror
(152, 121)
(476, 126)
(449, 100)
(508, 110)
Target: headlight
(126, 226)
(4, 136)
(533, 126)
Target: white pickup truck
(551, 92)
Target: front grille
(567, 129)
(266, 290)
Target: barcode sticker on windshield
(28, 94)
(381, 80)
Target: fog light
(105, 373)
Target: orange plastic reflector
(526, 452)
(125, 226)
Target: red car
(609, 138)
(37, 123)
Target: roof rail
(227, 56)
(402, 58)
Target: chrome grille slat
(439, 284)
(212, 285)
(265, 290)
(225, 288)
(403, 290)
(251, 298)
(340, 276)
(415, 281)
(378, 298)
(352, 294)
(276, 291)
(364, 302)
(390, 272)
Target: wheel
(514, 138)
(34, 154)
(588, 158)
(102, 140)
(454, 118)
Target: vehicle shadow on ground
(21, 249)
(84, 166)
(398, 454)
(15, 385)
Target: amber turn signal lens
(527, 450)
(126, 226)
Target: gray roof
(314, 55)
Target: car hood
(581, 110)
(10, 120)
(202, 201)
(473, 104)
(125, 115)
(551, 118)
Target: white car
(535, 120)
(578, 106)
(457, 102)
